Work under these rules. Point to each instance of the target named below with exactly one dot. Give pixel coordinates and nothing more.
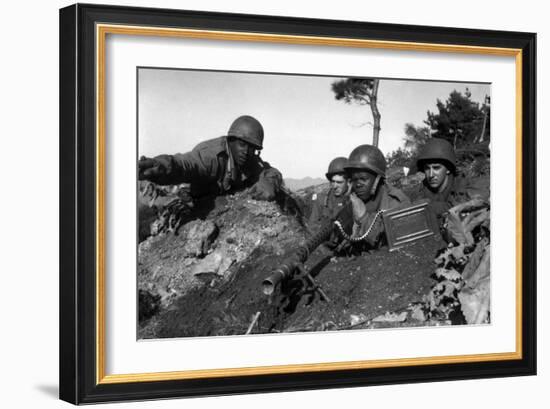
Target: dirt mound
(357, 288)
(361, 288)
(206, 278)
(205, 255)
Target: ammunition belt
(362, 237)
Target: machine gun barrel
(287, 268)
(283, 272)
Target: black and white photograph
(276, 203)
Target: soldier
(219, 165)
(441, 185)
(370, 197)
(358, 226)
(214, 167)
(326, 205)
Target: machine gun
(293, 266)
(292, 270)
(402, 226)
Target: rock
(215, 263)
(167, 295)
(391, 317)
(149, 304)
(210, 264)
(394, 296)
(199, 236)
(356, 319)
(226, 263)
(207, 278)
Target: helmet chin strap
(375, 185)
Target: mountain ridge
(296, 184)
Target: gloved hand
(263, 190)
(154, 169)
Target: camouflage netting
(205, 278)
(462, 291)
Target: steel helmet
(249, 129)
(437, 149)
(367, 157)
(336, 166)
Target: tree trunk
(375, 112)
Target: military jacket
(387, 198)
(325, 206)
(458, 190)
(210, 169)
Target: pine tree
(361, 91)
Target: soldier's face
(436, 176)
(339, 185)
(361, 184)
(241, 151)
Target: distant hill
(297, 184)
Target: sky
(305, 127)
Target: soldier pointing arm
(219, 165)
